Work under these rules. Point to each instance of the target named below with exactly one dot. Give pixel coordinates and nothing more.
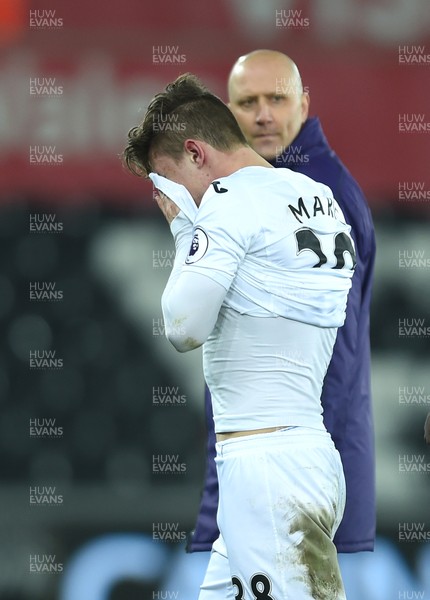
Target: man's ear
(194, 151)
(306, 102)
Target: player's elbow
(184, 345)
(182, 338)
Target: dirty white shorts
(282, 496)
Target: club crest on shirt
(199, 245)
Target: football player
(260, 279)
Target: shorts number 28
(260, 585)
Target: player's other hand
(169, 209)
(427, 429)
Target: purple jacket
(346, 396)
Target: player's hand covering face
(167, 206)
(176, 193)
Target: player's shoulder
(247, 193)
(229, 203)
(304, 183)
(233, 192)
(247, 177)
(254, 179)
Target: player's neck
(224, 164)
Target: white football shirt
(278, 243)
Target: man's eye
(246, 103)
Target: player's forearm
(190, 310)
(190, 303)
(182, 230)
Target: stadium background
(102, 433)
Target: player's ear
(194, 151)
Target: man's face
(269, 107)
(182, 171)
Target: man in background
(267, 98)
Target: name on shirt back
(325, 206)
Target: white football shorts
(282, 497)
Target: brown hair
(186, 109)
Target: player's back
(278, 242)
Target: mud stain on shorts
(317, 553)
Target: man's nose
(264, 114)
